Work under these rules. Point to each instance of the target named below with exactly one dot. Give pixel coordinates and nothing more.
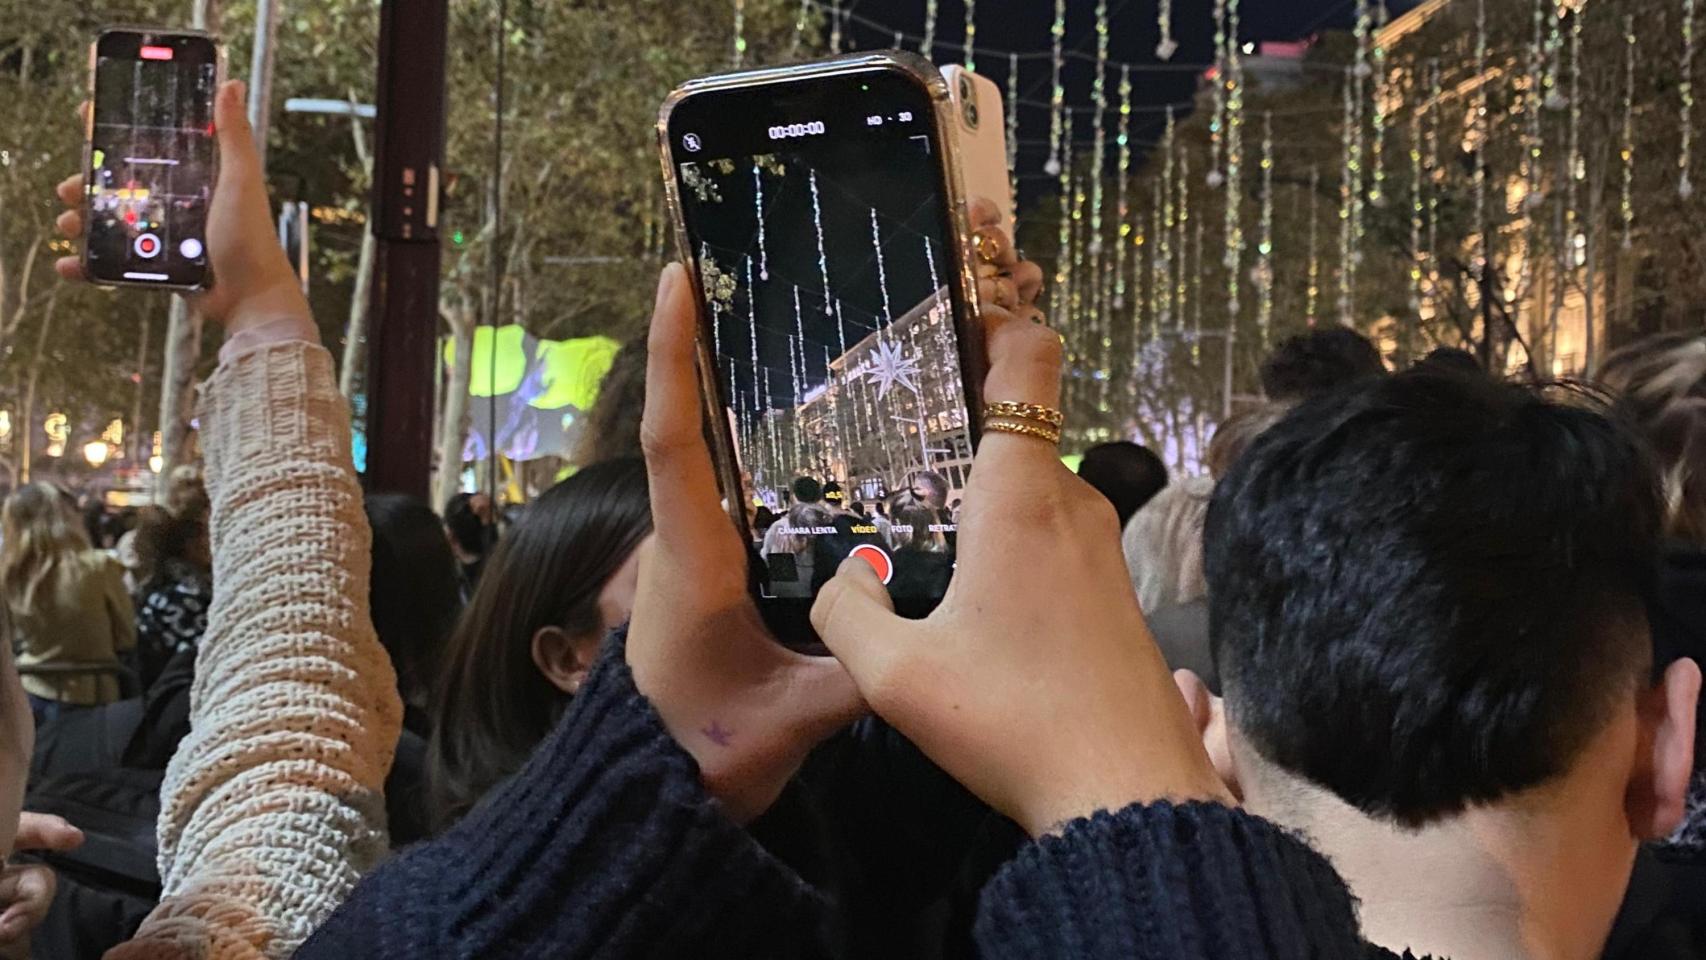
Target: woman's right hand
(1035, 683)
(253, 282)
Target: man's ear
(1209, 713)
(1658, 787)
(563, 659)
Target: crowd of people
(1410, 670)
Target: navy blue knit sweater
(607, 845)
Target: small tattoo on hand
(716, 734)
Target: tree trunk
(177, 383)
(25, 428)
(453, 425)
(355, 337)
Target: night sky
(1022, 26)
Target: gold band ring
(1025, 411)
(1006, 292)
(1023, 429)
(990, 245)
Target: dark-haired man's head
(1128, 474)
(1319, 361)
(833, 495)
(1427, 606)
(930, 487)
(1450, 360)
(806, 490)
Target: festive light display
(1167, 46)
(1626, 204)
(1537, 85)
(971, 34)
(1013, 128)
(928, 47)
(1265, 246)
(1234, 170)
(1684, 160)
(1483, 249)
(740, 32)
(758, 202)
(1217, 123)
(1382, 90)
(1436, 94)
(1197, 297)
(1181, 221)
(1164, 235)
(800, 27)
(1057, 97)
(1312, 294)
(1346, 205)
(1417, 208)
(1577, 165)
(1123, 139)
(835, 26)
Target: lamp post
(96, 453)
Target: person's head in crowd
(763, 518)
(1163, 545)
(1234, 435)
(469, 529)
(931, 488)
(859, 509)
(1661, 383)
(95, 521)
(170, 546)
(806, 490)
(185, 493)
(612, 427)
(1318, 361)
(556, 585)
(912, 531)
(414, 592)
(1450, 360)
(1128, 474)
(803, 516)
(1427, 607)
(833, 495)
(41, 530)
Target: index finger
(70, 190)
(984, 213)
(686, 507)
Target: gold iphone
(821, 208)
(982, 133)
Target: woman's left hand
(26, 890)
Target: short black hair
(832, 492)
(1318, 361)
(1128, 474)
(1451, 360)
(1426, 591)
(465, 525)
(807, 490)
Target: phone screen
(151, 158)
(817, 213)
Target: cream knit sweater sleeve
(272, 807)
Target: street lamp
(96, 452)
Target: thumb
(856, 620)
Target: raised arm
(271, 807)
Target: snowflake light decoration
(889, 367)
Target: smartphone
(821, 209)
(982, 132)
(150, 160)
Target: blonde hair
(41, 533)
(1660, 382)
(1163, 545)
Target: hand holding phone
(255, 283)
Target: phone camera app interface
(151, 163)
(820, 240)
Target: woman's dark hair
(612, 427)
(1128, 474)
(415, 591)
(163, 537)
(492, 706)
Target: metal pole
(260, 73)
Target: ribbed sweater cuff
(608, 839)
(1163, 880)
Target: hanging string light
(1217, 123)
(740, 32)
(1265, 246)
(1123, 140)
(1164, 236)
(1554, 99)
(1167, 46)
(1057, 97)
(1346, 204)
(1627, 202)
(1013, 130)
(758, 204)
(1382, 91)
(1099, 148)
(800, 27)
(1313, 294)
(1234, 184)
(1435, 94)
(1181, 221)
(834, 26)
(1684, 186)
(1536, 94)
(1482, 248)
(1578, 165)
(882, 272)
(1417, 207)
(971, 34)
(1196, 296)
(928, 47)
(899, 41)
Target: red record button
(877, 558)
(147, 246)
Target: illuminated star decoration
(888, 367)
